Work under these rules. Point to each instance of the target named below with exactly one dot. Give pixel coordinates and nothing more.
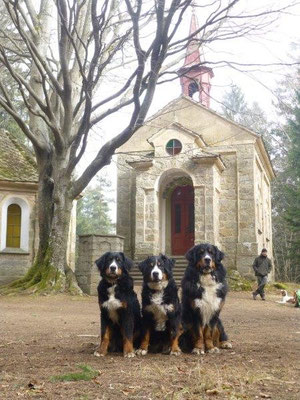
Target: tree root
(44, 279)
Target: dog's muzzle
(207, 264)
(155, 276)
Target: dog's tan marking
(198, 340)
(143, 350)
(200, 263)
(128, 348)
(175, 350)
(105, 342)
(208, 339)
(216, 337)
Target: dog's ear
(101, 261)
(219, 254)
(163, 256)
(170, 262)
(142, 265)
(190, 255)
(127, 262)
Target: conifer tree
(93, 210)
(292, 188)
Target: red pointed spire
(192, 56)
(195, 77)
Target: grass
(87, 373)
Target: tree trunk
(50, 271)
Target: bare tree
(61, 54)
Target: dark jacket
(262, 266)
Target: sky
(273, 46)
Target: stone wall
(228, 216)
(13, 266)
(125, 204)
(90, 248)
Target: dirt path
(40, 338)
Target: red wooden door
(182, 219)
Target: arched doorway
(182, 219)
(176, 200)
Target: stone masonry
(226, 164)
(90, 248)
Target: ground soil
(41, 337)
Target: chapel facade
(189, 175)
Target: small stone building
(189, 175)
(18, 211)
(18, 220)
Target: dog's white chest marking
(112, 304)
(210, 302)
(159, 310)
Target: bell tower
(195, 77)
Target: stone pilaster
(90, 248)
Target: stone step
(178, 271)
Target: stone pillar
(199, 194)
(146, 219)
(209, 214)
(126, 203)
(90, 248)
(228, 209)
(247, 246)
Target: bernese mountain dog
(204, 289)
(119, 306)
(161, 310)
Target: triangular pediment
(189, 117)
(181, 130)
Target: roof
(17, 163)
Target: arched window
(13, 227)
(14, 224)
(193, 88)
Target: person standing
(262, 267)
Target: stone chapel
(189, 175)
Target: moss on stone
(23, 168)
(238, 283)
(44, 278)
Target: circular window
(173, 147)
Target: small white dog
(285, 298)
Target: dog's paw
(141, 352)
(175, 353)
(169, 307)
(129, 355)
(97, 354)
(226, 345)
(166, 350)
(198, 352)
(213, 350)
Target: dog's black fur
(204, 289)
(119, 306)
(161, 309)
